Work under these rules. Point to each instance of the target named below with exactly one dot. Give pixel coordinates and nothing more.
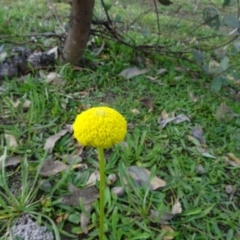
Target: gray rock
(25, 228)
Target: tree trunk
(79, 29)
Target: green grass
(208, 211)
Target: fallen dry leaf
(205, 152)
(72, 188)
(95, 176)
(178, 78)
(50, 142)
(193, 140)
(197, 132)
(166, 118)
(51, 168)
(99, 50)
(164, 217)
(72, 158)
(25, 105)
(85, 218)
(142, 177)
(78, 149)
(86, 195)
(166, 115)
(82, 166)
(10, 161)
(234, 158)
(161, 71)
(177, 208)
(181, 118)
(169, 232)
(135, 111)
(83, 107)
(54, 52)
(2, 89)
(208, 155)
(200, 170)
(231, 163)
(133, 72)
(3, 55)
(130, 125)
(159, 217)
(214, 67)
(84, 94)
(54, 78)
(11, 140)
(64, 103)
(154, 79)
(69, 128)
(224, 113)
(230, 189)
(192, 97)
(148, 103)
(61, 217)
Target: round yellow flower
(100, 127)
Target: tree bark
(80, 25)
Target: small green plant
(24, 200)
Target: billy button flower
(100, 127)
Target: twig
(158, 20)
(172, 17)
(140, 15)
(106, 12)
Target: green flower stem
(102, 187)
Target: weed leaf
(230, 20)
(217, 83)
(198, 56)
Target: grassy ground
(210, 197)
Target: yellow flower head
(100, 127)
